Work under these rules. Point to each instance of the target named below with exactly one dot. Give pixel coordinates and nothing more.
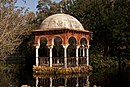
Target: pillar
(51, 82)
(87, 82)
(65, 55)
(36, 81)
(83, 51)
(77, 56)
(65, 82)
(58, 61)
(77, 82)
(87, 55)
(50, 48)
(37, 61)
(80, 53)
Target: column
(80, 53)
(77, 82)
(50, 47)
(36, 81)
(65, 55)
(83, 51)
(51, 82)
(65, 82)
(77, 56)
(87, 55)
(87, 82)
(37, 62)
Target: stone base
(62, 70)
(46, 75)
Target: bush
(98, 61)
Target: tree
(45, 9)
(15, 24)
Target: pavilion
(65, 42)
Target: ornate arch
(83, 41)
(53, 38)
(74, 39)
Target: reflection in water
(77, 85)
(87, 81)
(65, 82)
(82, 81)
(36, 81)
(18, 75)
(50, 81)
(8, 75)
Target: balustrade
(59, 61)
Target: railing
(82, 61)
(56, 61)
(44, 61)
(59, 61)
(71, 61)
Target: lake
(16, 75)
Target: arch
(43, 50)
(71, 50)
(39, 38)
(43, 41)
(57, 48)
(57, 39)
(83, 41)
(72, 40)
(83, 44)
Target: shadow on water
(16, 75)
(111, 77)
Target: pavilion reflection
(76, 80)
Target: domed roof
(57, 21)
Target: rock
(94, 86)
(24, 86)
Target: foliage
(15, 24)
(109, 22)
(98, 61)
(45, 9)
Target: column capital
(37, 47)
(88, 46)
(49, 46)
(65, 54)
(65, 45)
(77, 46)
(82, 45)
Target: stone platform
(62, 70)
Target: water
(16, 75)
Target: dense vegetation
(15, 25)
(107, 19)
